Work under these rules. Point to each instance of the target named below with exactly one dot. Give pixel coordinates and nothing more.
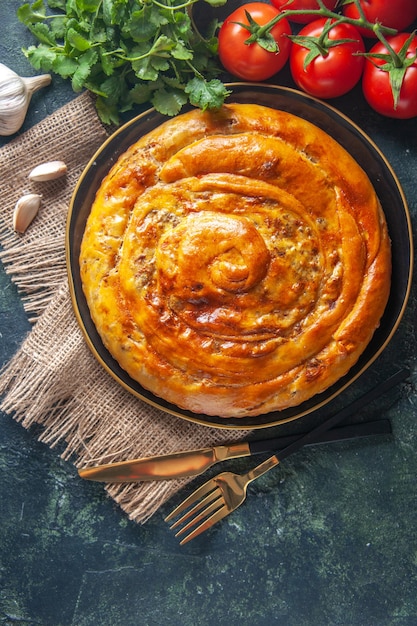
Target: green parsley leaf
(64, 66)
(169, 102)
(57, 4)
(32, 14)
(41, 57)
(77, 41)
(83, 71)
(144, 69)
(144, 24)
(179, 51)
(127, 52)
(139, 94)
(206, 95)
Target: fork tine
(216, 517)
(193, 497)
(209, 507)
(202, 504)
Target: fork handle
(262, 468)
(303, 440)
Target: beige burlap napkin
(54, 380)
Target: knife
(195, 462)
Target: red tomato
(302, 5)
(396, 14)
(376, 84)
(335, 73)
(251, 61)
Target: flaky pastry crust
(237, 262)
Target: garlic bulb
(15, 95)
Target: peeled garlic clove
(48, 171)
(25, 211)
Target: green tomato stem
(396, 59)
(323, 11)
(176, 7)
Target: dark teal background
(327, 539)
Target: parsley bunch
(126, 52)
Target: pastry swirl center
(241, 264)
(213, 254)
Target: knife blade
(195, 462)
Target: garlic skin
(15, 95)
(25, 211)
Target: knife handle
(341, 433)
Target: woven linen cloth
(54, 380)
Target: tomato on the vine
(253, 61)
(398, 15)
(327, 66)
(380, 81)
(302, 5)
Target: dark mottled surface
(328, 539)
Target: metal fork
(215, 499)
(225, 493)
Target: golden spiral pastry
(237, 262)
